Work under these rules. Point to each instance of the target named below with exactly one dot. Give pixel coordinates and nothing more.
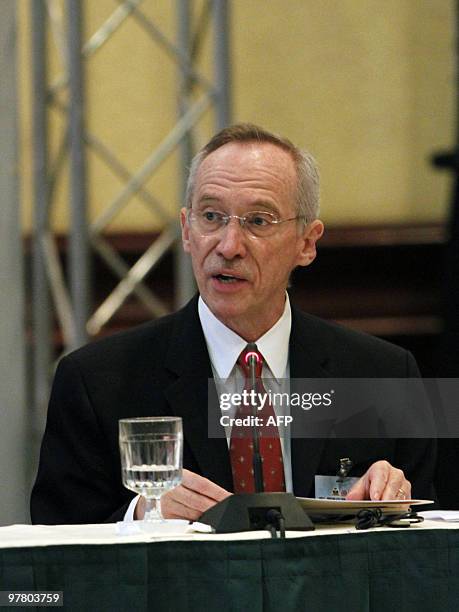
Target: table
(332, 569)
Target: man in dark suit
(251, 218)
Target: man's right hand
(189, 500)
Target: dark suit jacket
(162, 368)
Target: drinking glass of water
(151, 451)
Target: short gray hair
(306, 167)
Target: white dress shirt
(224, 347)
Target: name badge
(333, 487)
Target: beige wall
(366, 85)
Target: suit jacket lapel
(187, 394)
(309, 358)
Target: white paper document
(450, 516)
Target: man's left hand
(381, 481)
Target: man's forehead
(253, 151)
(246, 161)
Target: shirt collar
(225, 346)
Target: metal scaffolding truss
(69, 301)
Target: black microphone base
(249, 512)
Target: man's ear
(311, 234)
(185, 230)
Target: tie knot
(250, 355)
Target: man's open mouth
(225, 278)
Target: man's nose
(232, 240)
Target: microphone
(252, 359)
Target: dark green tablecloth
(400, 570)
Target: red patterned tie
(241, 443)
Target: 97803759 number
(31, 598)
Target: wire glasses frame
(258, 223)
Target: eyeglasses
(260, 224)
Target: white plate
(344, 506)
